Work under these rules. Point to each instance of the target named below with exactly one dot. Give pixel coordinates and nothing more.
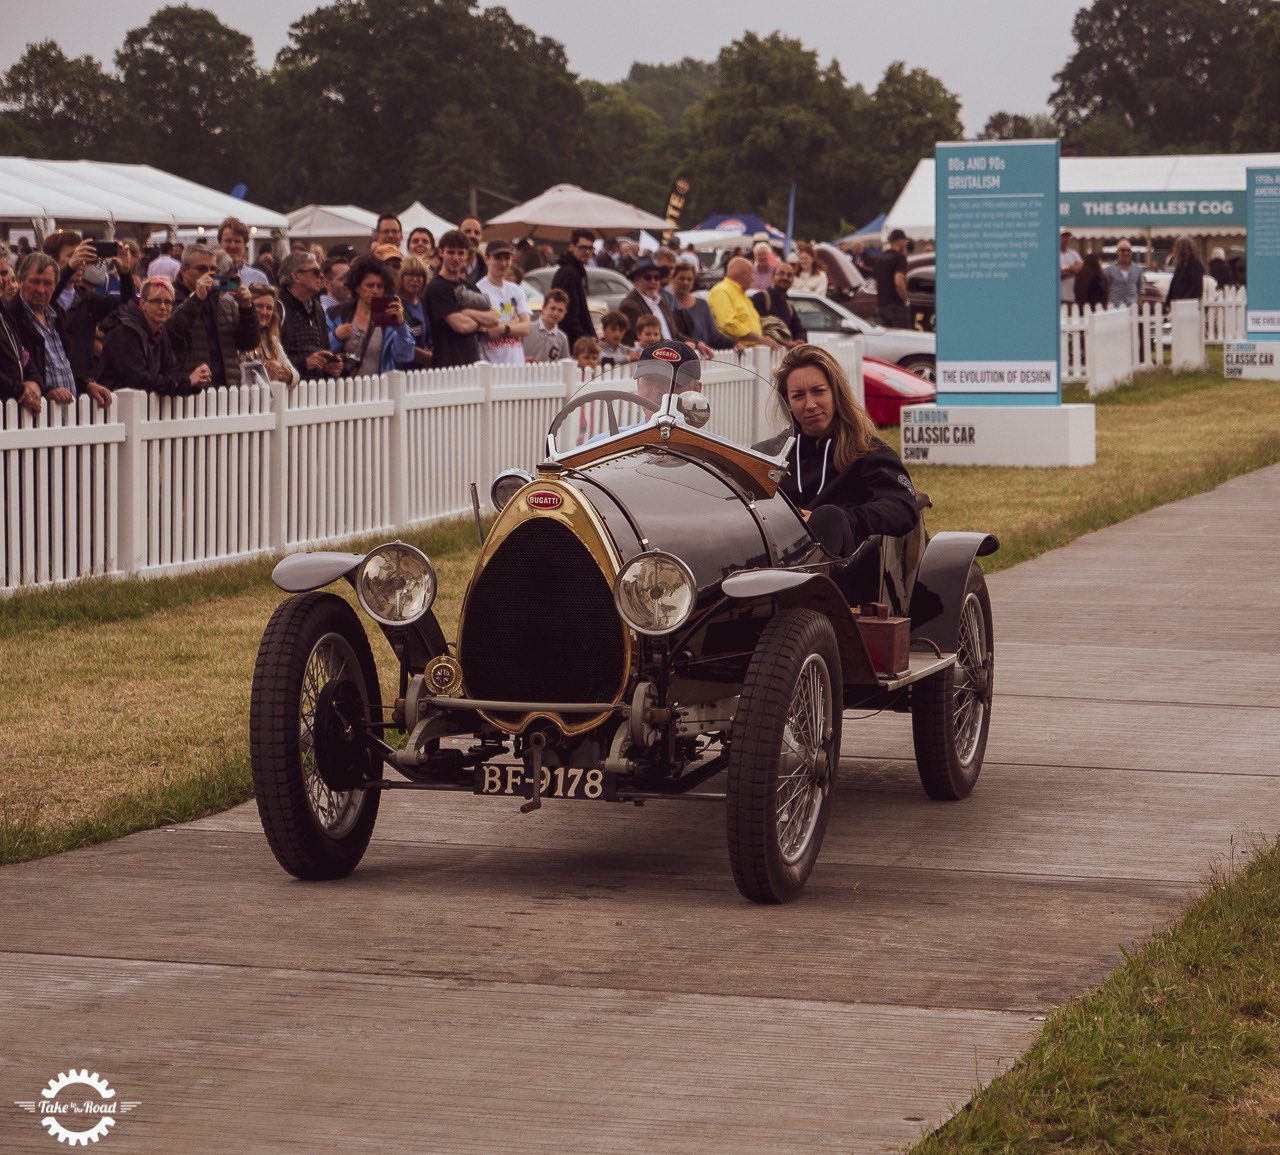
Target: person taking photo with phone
(213, 320)
(369, 330)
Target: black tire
(922, 366)
(951, 711)
(783, 755)
(313, 640)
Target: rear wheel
(783, 757)
(922, 366)
(951, 711)
(314, 681)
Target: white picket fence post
(1188, 335)
(277, 472)
(397, 449)
(130, 406)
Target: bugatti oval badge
(544, 499)
(666, 353)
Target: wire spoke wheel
(314, 685)
(783, 755)
(951, 711)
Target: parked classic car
(645, 614)
(913, 350)
(889, 388)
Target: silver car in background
(912, 349)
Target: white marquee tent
(1112, 196)
(418, 216)
(47, 194)
(332, 223)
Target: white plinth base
(998, 435)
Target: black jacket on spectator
(195, 325)
(303, 330)
(80, 322)
(133, 357)
(571, 276)
(771, 303)
(1187, 282)
(12, 373)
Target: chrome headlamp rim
(686, 575)
(428, 577)
(521, 478)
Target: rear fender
(938, 593)
(812, 591)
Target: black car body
(647, 612)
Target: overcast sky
(996, 57)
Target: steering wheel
(606, 395)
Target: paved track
(587, 979)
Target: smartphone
(226, 284)
(106, 249)
(380, 316)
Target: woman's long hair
(854, 433)
(270, 338)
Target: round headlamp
(396, 584)
(506, 485)
(655, 593)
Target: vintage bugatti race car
(645, 614)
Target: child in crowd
(546, 341)
(648, 332)
(612, 350)
(586, 351)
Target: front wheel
(951, 711)
(783, 755)
(315, 682)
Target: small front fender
(300, 572)
(813, 591)
(938, 593)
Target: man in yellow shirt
(734, 313)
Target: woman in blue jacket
(371, 344)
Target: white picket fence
(1222, 319)
(156, 485)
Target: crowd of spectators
(85, 317)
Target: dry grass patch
(154, 706)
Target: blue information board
(1262, 314)
(998, 283)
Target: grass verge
(1179, 1051)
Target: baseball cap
(387, 253)
(675, 361)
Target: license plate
(557, 782)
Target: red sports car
(890, 387)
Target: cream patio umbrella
(554, 214)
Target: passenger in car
(846, 482)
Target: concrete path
(587, 979)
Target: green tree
(910, 112)
(1016, 126)
(1170, 70)
(622, 148)
(57, 108)
(190, 84)
(776, 116)
(1258, 127)
(671, 90)
(382, 101)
